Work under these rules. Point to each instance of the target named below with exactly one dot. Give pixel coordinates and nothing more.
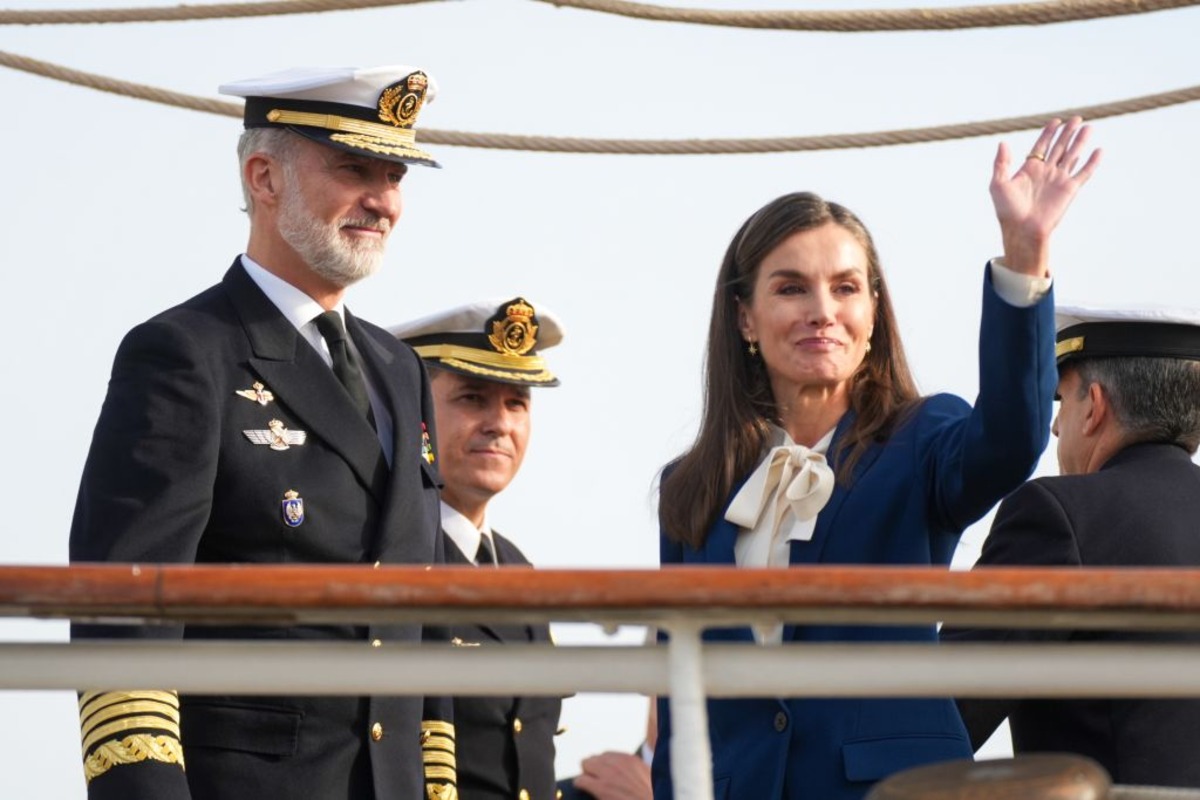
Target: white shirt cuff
(1015, 288)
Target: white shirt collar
(781, 438)
(463, 532)
(295, 305)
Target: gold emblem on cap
(516, 334)
(400, 103)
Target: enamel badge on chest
(293, 508)
(277, 437)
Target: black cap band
(1142, 339)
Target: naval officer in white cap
(260, 422)
(1128, 425)
(485, 359)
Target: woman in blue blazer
(816, 448)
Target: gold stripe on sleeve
(440, 773)
(90, 701)
(152, 723)
(438, 743)
(437, 726)
(128, 709)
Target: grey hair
(278, 143)
(1154, 399)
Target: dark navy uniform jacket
(1141, 509)
(909, 500)
(505, 744)
(171, 477)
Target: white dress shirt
(464, 533)
(301, 311)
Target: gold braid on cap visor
(531, 368)
(1066, 346)
(355, 132)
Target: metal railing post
(691, 756)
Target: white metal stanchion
(691, 756)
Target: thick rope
(554, 144)
(182, 13)
(899, 19)
(902, 19)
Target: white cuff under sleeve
(1015, 288)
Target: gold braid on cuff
(131, 750)
(437, 753)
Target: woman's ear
(745, 323)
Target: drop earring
(752, 349)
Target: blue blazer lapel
(810, 552)
(718, 550)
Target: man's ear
(263, 176)
(1098, 411)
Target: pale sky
(114, 209)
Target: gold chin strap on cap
(128, 727)
(531, 369)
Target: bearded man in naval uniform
(262, 423)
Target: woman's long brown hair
(738, 402)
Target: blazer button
(522, 795)
(517, 725)
(781, 722)
(376, 732)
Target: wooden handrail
(1028, 597)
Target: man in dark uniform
(1129, 496)
(260, 422)
(483, 360)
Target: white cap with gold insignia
(371, 111)
(493, 339)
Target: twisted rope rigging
(557, 144)
(901, 19)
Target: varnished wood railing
(1032, 597)
(683, 601)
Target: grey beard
(340, 261)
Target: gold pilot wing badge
(277, 437)
(258, 393)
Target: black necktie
(344, 364)
(483, 556)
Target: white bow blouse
(779, 504)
